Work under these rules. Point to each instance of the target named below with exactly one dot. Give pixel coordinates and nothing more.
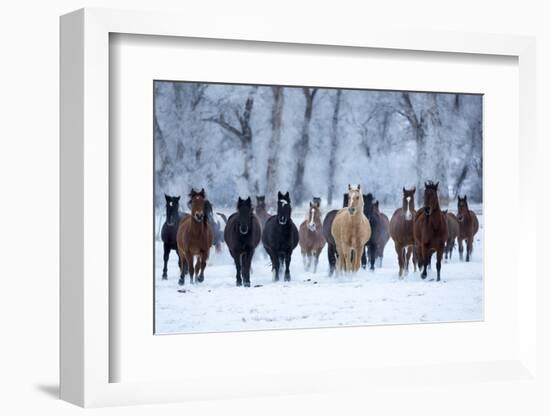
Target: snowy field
(315, 300)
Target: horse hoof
(239, 283)
(164, 277)
(424, 275)
(246, 284)
(287, 278)
(181, 282)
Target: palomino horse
(170, 229)
(383, 235)
(453, 229)
(194, 238)
(468, 226)
(311, 237)
(430, 230)
(401, 231)
(280, 237)
(351, 231)
(261, 210)
(242, 235)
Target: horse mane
(431, 185)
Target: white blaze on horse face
(311, 223)
(408, 214)
(283, 202)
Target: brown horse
(194, 238)
(351, 231)
(468, 226)
(430, 230)
(453, 228)
(311, 236)
(401, 231)
(383, 235)
(261, 210)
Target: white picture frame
(85, 353)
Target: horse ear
(404, 190)
(178, 198)
(287, 195)
(279, 194)
(359, 186)
(248, 201)
(414, 190)
(349, 186)
(166, 197)
(436, 185)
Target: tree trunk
(302, 148)
(272, 174)
(333, 147)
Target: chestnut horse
(194, 239)
(453, 228)
(351, 231)
(430, 230)
(311, 236)
(468, 226)
(401, 231)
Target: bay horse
(351, 231)
(401, 232)
(311, 236)
(261, 210)
(468, 227)
(280, 236)
(194, 239)
(242, 235)
(383, 234)
(430, 230)
(170, 229)
(453, 229)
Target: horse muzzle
(460, 218)
(312, 227)
(427, 211)
(408, 216)
(199, 217)
(243, 230)
(282, 220)
(352, 211)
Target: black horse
(280, 236)
(331, 244)
(242, 235)
(170, 229)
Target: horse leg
(237, 259)
(438, 263)
(189, 259)
(469, 247)
(287, 265)
(247, 260)
(275, 267)
(304, 259)
(460, 249)
(408, 252)
(202, 259)
(399, 251)
(331, 259)
(423, 261)
(364, 259)
(166, 257)
(183, 268)
(316, 261)
(372, 250)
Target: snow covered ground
(315, 300)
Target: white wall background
(29, 184)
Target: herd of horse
(355, 235)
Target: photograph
(295, 207)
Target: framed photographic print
(236, 208)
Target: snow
(316, 300)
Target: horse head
(355, 199)
(260, 201)
(317, 201)
(197, 201)
(283, 208)
(172, 209)
(431, 201)
(314, 216)
(244, 215)
(368, 206)
(462, 208)
(408, 203)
